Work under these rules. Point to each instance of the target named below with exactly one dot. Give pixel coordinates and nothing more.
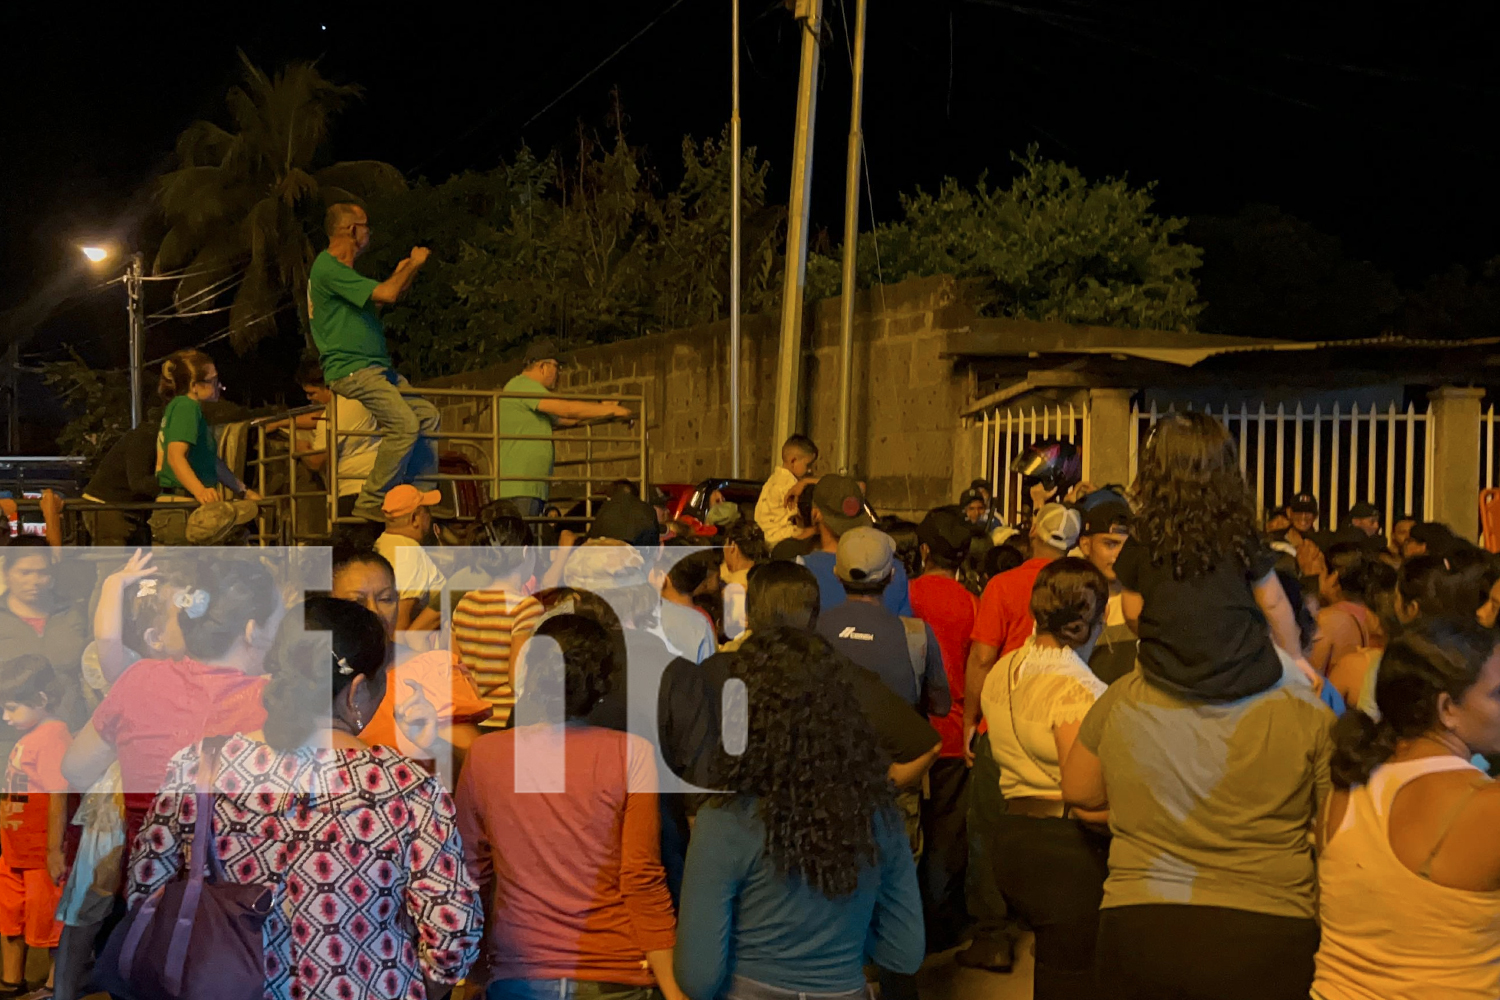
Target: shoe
(12, 991)
(40, 993)
(990, 954)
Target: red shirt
(950, 609)
(157, 707)
(568, 851)
(1005, 609)
(35, 769)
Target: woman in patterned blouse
(373, 899)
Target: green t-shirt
(346, 329)
(1211, 803)
(524, 458)
(183, 421)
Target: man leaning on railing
(527, 421)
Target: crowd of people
(1192, 748)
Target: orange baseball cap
(404, 500)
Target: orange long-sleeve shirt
(568, 853)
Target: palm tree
(250, 198)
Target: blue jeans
(404, 454)
(742, 988)
(565, 989)
(529, 506)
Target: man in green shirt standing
(534, 413)
(343, 308)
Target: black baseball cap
(970, 495)
(1303, 503)
(1363, 509)
(541, 350)
(1106, 516)
(946, 532)
(627, 519)
(841, 502)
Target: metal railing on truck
(483, 444)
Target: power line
(490, 119)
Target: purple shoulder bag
(197, 937)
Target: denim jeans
(741, 988)
(566, 989)
(404, 455)
(529, 506)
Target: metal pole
(12, 399)
(136, 305)
(734, 248)
(851, 241)
(789, 363)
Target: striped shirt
(483, 624)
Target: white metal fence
(1489, 440)
(1342, 456)
(1005, 433)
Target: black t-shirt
(792, 549)
(904, 735)
(127, 472)
(1203, 636)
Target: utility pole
(12, 396)
(135, 303)
(789, 361)
(851, 242)
(734, 248)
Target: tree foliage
(99, 400)
(587, 249)
(252, 196)
(1049, 246)
(1269, 274)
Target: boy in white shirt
(798, 456)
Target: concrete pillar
(1110, 428)
(1453, 422)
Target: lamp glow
(95, 254)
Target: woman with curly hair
(1199, 586)
(792, 881)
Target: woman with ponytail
(1409, 864)
(187, 458)
(1050, 864)
(305, 782)
(228, 613)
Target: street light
(135, 307)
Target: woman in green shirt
(187, 457)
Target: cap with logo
(945, 532)
(842, 504)
(865, 555)
(1303, 503)
(970, 495)
(405, 500)
(1057, 525)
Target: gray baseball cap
(865, 555)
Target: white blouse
(1028, 694)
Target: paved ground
(942, 978)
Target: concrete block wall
(905, 402)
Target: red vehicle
(693, 501)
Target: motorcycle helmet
(1057, 465)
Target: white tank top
(1388, 932)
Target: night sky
(1378, 127)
